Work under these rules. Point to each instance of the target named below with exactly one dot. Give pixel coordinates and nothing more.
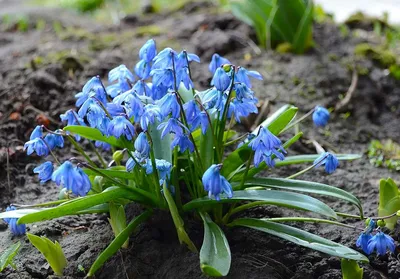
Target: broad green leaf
(117, 220)
(215, 254)
(161, 146)
(271, 197)
(389, 201)
(302, 186)
(178, 222)
(122, 174)
(52, 252)
(301, 237)
(82, 203)
(19, 212)
(8, 255)
(94, 134)
(117, 243)
(303, 37)
(351, 270)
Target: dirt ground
(42, 69)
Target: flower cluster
(379, 242)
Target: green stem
(297, 121)
(349, 215)
(51, 152)
(42, 204)
(178, 200)
(312, 220)
(306, 169)
(81, 151)
(103, 163)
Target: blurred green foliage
(278, 21)
(384, 153)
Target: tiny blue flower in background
(72, 178)
(45, 171)
(242, 75)
(119, 126)
(169, 104)
(216, 62)
(36, 145)
(381, 242)
(103, 145)
(142, 146)
(320, 116)
(215, 184)
(329, 160)
(54, 140)
(120, 73)
(221, 80)
(12, 223)
(266, 144)
(171, 126)
(183, 142)
(149, 116)
(148, 51)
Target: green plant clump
(384, 154)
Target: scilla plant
(171, 149)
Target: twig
(349, 93)
(8, 168)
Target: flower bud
(118, 156)
(381, 223)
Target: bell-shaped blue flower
(242, 108)
(381, 242)
(221, 80)
(164, 59)
(362, 241)
(142, 69)
(72, 178)
(142, 146)
(329, 160)
(184, 143)
(45, 171)
(242, 75)
(150, 114)
(242, 91)
(72, 118)
(320, 116)
(169, 104)
(266, 144)
(36, 133)
(36, 145)
(118, 88)
(93, 111)
(200, 120)
(120, 73)
(130, 164)
(94, 87)
(54, 140)
(216, 62)
(215, 184)
(12, 223)
(148, 51)
(171, 126)
(163, 167)
(183, 76)
(115, 109)
(142, 88)
(119, 126)
(164, 76)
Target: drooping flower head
(93, 112)
(72, 178)
(221, 79)
(184, 143)
(55, 140)
(216, 62)
(329, 160)
(320, 116)
(365, 237)
(45, 171)
(169, 104)
(265, 145)
(381, 242)
(242, 75)
(36, 145)
(94, 87)
(142, 146)
(215, 184)
(119, 126)
(12, 223)
(163, 167)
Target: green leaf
(389, 201)
(19, 212)
(215, 254)
(94, 134)
(302, 186)
(277, 122)
(52, 252)
(80, 204)
(301, 237)
(299, 159)
(272, 197)
(8, 255)
(117, 243)
(122, 174)
(161, 146)
(303, 37)
(117, 220)
(351, 270)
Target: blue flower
(36, 133)
(141, 88)
(169, 104)
(118, 88)
(266, 144)
(181, 61)
(191, 110)
(216, 62)
(242, 108)
(183, 76)
(212, 98)
(120, 73)
(94, 87)
(93, 111)
(157, 92)
(183, 142)
(215, 184)
(242, 91)
(164, 58)
(119, 126)
(36, 145)
(151, 112)
(320, 116)
(242, 75)
(72, 178)
(12, 223)
(148, 51)
(54, 140)
(171, 126)
(221, 80)
(130, 164)
(45, 171)
(142, 146)
(142, 69)
(362, 241)
(72, 118)
(115, 109)
(200, 120)
(329, 160)
(163, 167)
(380, 242)
(103, 145)
(164, 76)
